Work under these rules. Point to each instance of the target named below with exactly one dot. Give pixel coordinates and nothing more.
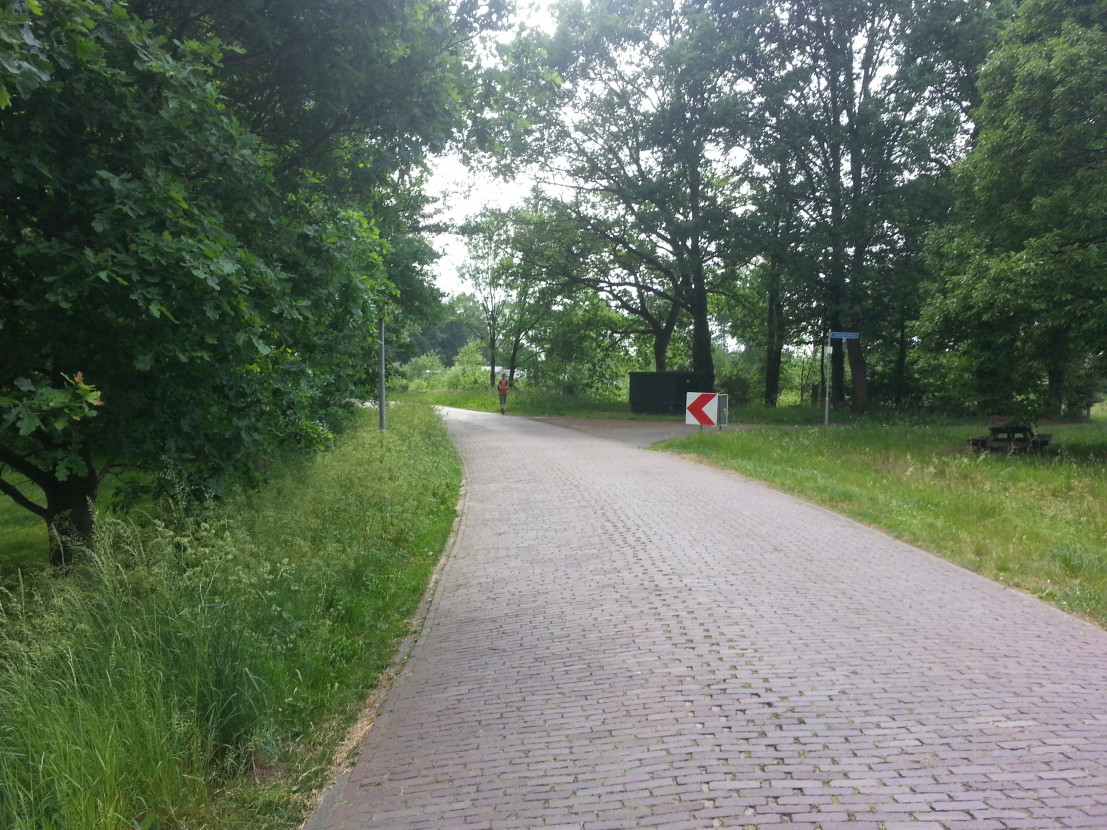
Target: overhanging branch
(14, 493)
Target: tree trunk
(774, 358)
(774, 343)
(703, 360)
(899, 394)
(660, 351)
(859, 374)
(837, 370)
(663, 336)
(513, 360)
(492, 361)
(836, 301)
(1056, 366)
(1056, 378)
(70, 516)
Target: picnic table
(1010, 437)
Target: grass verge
(1037, 522)
(199, 672)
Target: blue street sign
(845, 335)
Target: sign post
(840, 335)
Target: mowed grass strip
(1037, 522)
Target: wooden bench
(1011, 437)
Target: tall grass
(198, 672)
(1037, 522)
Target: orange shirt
(503, 386)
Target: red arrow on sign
(695, 409)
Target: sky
(463, 193)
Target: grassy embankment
(199, 672)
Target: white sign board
(708, 409)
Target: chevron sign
(707, 409)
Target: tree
(529, 305)
(172, 292)
(351, 98)
(713, 142)
(558, 251)
(384, 80)
(449, 329)
(25, 64)
(635, 133)
(583, 346)
(141, 247)
(1023, 287)
(511, 300)
(848, 102)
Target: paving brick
(620, 638)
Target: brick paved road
(622, 638)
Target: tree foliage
(777, 160)
(194, 247)
(560, 255)
(789, 168)
(634, 130)
(1024, 286)
(850, 106)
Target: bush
(419, 367)
(731, 381)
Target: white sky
(463, 193)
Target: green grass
(199, 672)
(23, 541)
(1037, 522)
(24, 546)
(781, 415)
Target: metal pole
(826, 363)
(381, 402)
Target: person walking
(502, 388)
